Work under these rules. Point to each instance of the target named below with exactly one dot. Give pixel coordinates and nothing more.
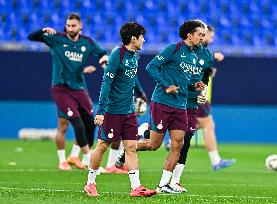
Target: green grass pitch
(28, 174)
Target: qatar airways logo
(191, 68)
(196, 70)
(74, 56)
(131, 73)
(187, 67)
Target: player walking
(116, 111)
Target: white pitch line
(126, 183)
(32, 170)
(144, 170)
(123, 193)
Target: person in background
(70, 52)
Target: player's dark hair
(210, 28)
(189, 27)
(75, 16)
(130, 29)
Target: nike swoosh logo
(64, 45)
(192, 128)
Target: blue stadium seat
(269, 39)
(250, 23)
(2, 34)
(247, 39)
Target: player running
(198, 114)
(171, 69)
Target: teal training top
(172, 66)
(138, 88)
(69, 57)
(117, 89)
(204, 64)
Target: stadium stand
(247, 23)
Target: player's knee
(115, 145)
(102, 147)
(62, 124)
(210, 124)
(153, 146)
(130, 145)
(130, 151)
(62, 130)
(177, 145)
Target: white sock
(75, 151)
(86, 159)
(177, 173)
(91, 176)
(112, 157)
(134, 179)
(165, 178)
(120, 146)
(61, 155)
(214, 157)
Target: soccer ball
(141, 106)
(271, 162)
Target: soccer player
(205, 119)
(116, 113)
(115, 147)
(70, 51)
(63, 123)
(201, 117)
(171, 69)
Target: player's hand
(49, 30)
(103, 61)
(201, 100)
(89, 69)
(214, 70)
(144, 97)
(172, 89)
(218, 56)
(99, 119)
(199, 86)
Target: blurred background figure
(70, 51)
(204, 117)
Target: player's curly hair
(130, 29)
(189, 27)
